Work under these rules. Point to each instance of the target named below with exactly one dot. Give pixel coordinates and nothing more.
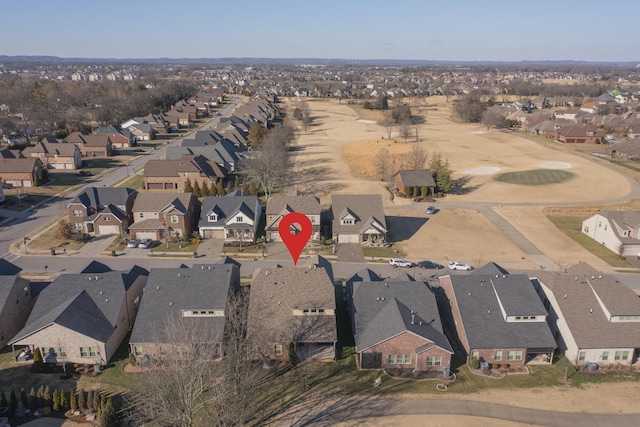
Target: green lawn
(572, 226)
(535, 177)
(134, 182)
(382, 252)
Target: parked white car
(459, 265)
(399, 262)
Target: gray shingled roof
(482, 317)
(156, 202)
(86, 302)
(585, 289)
(417, 178)
(226, 207)
(99, 197)
(365, 207)
(308, 205)
(623, 220)
(276, 292)
(384, 309)
(7, 283)
(170, 290)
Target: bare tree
(188, 384)
(416, 158)
(405, 129)
(268, 162)
(388, 122)
(381, 163)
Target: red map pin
(295, 237)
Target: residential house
(83, 318)
(358, 218)
(634, 129)
(397, 324)
(142, 131)
(172, 175)
(280, 205)
(594, 317)
(629, 150)
(15, 305)
(222, 152)
(567, 113)
(56, 155)
(233, 217)
(618, 231)
(497, 318)
(120, 137)
(184, 306)
(91, 145)
(580, 134)
(102, 210)
(21, 172)
(415, 182)
(160, 215)
(292, 311)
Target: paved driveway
(210, 248)
(350, 252)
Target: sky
(455, 30)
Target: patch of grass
(14, 203)
(383, 252)
(572, 226)
(535, 177)
(48, 240)
(134, 182)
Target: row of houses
(234, 217)
(488, 315)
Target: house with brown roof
(160, 215)
(415, 182)
(396, 324)
(358, 218)
(292, 310)
(580, 134)
(56, 155)
(618, 231)
(280, 205)
(91, 145)
(172, 175)
(595, 318)
(496, 317)
(21, 172)
(120, 137)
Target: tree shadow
(403, 227)
(461, 186)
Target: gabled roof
(367, 206)
(26, 165)
(158, 202)
(227, 206)
(109, 209)
(386, 309)
(417, 178)
(98, 197)
(308, 205)
(7, 268)
(364, 275)
(87, 303)
(481, 300)
(169, 291)
(277, 292)
(587, 299)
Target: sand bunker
(369, 122)
(484, 170)
(555, 165)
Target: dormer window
(239, 219)
(212, 217)
(347, 221)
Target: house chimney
(413, 317)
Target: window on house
(475, 355)
(514, 355)
(107, 218)
(586, 229)
(174, 219)
(621, 355)
(497, 355)
(212, 217)
(434, 361)
(582, 355)
(77, 213)
(399, 359)
(277, 349)
(347, 221)
(239, 219)
(88, 351)
(141, 215)
(605, 355)
(137, 350)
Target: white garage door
(145, 235)
(348, 238)
(108, 229)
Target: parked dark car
(429, 264)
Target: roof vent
(209, 268)
(413, 317)
(96, 277)
(469, 293)
(279, 302)
(593, 277)
(489, 311)
(576, 278)
(591, 310)
(266, 273)
(178, 274)
(170, 303)
(377, 298)
(89, 278)
(157, 288)
(497, 276)
(386, 284)
(481, 283)
(383, 298)
(600, 277)
(106, 299)
(101, 292)
(202, 267)
(565, 296)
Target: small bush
(475, 363)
